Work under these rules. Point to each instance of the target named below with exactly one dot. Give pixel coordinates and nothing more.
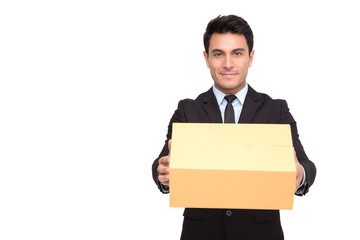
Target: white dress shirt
(237, 103)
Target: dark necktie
(229, 110)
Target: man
(229, 53)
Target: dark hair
(228, 24)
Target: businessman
(228, 42)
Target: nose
(228, 62)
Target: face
(228, 61)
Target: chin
(231, 87)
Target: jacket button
(228, 213)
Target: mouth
(228, 74)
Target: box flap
(232, 146)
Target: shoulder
(268, 108)
(263, 97)
(203, 97)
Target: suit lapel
(211, 107)
(251, 105)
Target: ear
(251, 57)
(206, 59)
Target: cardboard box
(249, 166)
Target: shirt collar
(240, 95)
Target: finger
(164, 179)
(163, 170)
(164, 161)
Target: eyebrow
(216, 50)
(234, 50)
(239, 49)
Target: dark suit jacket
(241, 224)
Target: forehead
(227, 41)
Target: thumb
(169, 146)
(296, 160)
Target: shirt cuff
(301, 188)
(164, 188)
(304, 178)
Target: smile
(228, 74)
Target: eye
(217, 54)
(238, 53)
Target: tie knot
(230, 98)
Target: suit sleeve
(178, 116)
(308, 165)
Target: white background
(76, 155)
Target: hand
(163, 168)
(299, 172)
